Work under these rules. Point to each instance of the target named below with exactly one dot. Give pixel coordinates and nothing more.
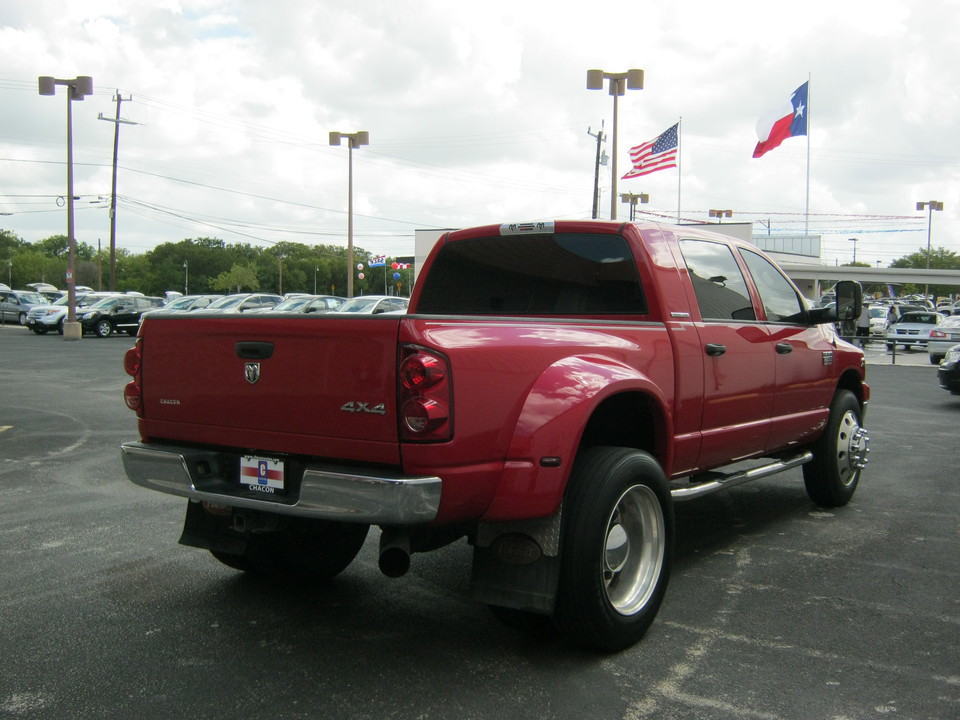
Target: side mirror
(849, 300)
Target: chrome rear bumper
(324, 492)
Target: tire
(890, 347)
(616, 546)
(103, 328)
(22, 318)
(60, 326)
(838, 455)
(40, 329)
(305, 550)
(935, 359)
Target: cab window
(781, 301)
(720, 287)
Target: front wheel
(103, 328)
(22, 318)
(839, 454)
(616, 545)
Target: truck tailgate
(317, 385)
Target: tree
(940, 259)
(59, 246)
(10, 244)
(239, 277)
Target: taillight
(426, 396)
(132, 394)
(937, 334)
(131, 361)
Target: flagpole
(806, 217)
(679, 164)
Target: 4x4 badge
(252, 372)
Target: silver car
(15, 304)
(943, 337)
(374, 305)
(243, 302)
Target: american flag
(658, 154)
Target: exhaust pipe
(394, 552)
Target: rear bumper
(321, 491)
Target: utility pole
(113, 192)
(601, 137)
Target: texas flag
(786, 120)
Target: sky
(477, 113)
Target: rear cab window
(562, 274)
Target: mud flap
(211, 532)
(517, 565)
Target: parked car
(913, 329)
(944, 336)
(878, 320)
(244, 302)
(948, 375)
(45, 318)
(374, 304)
(117, 313)
(49, 291)
(15, 304)
(307, 304)
(184, 303)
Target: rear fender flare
(550, 426)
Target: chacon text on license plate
(261, 474)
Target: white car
(913, 329)
(878, 320)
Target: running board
(727, 481)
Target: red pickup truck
(552, 390)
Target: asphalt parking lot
(777, 609)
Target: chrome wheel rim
(851, 448)
(633, 551)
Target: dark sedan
(949, 372)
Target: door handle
(784, 348)
(716, 349)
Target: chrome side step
(727, 481)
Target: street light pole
(77, 88)
(932, 205)
(854, 241)
(720, 215)
(186, 277)
(354, 140)
(619, 82)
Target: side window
(781, 302)
(721, 290)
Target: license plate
(262, 474)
